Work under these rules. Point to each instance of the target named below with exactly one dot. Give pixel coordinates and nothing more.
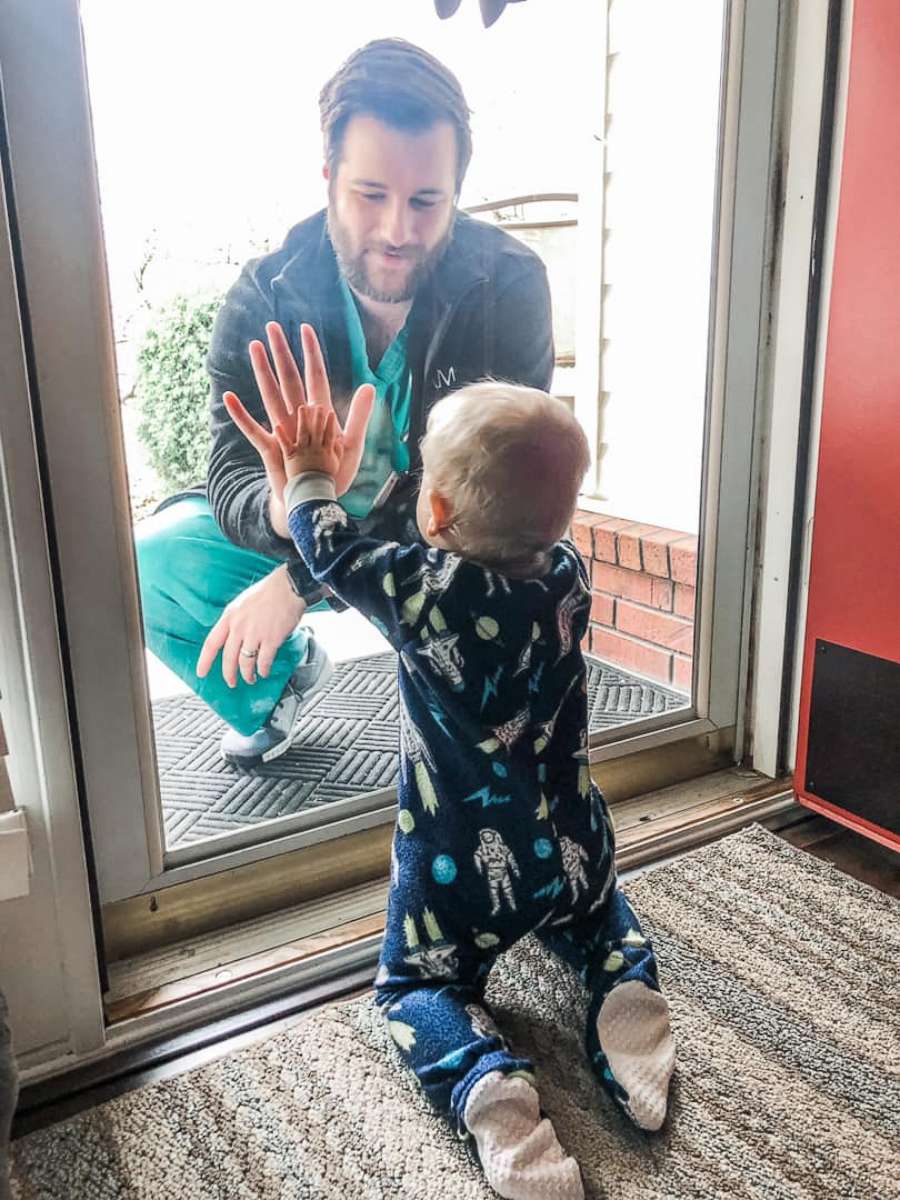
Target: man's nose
(396, 227)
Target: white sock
(636, 1037)
(519, 1151)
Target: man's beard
(353, 267)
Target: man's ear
(440, 514)
(326, 171)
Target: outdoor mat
(782, 978)
(347, 745)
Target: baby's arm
(385, 581)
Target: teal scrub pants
(189, 571)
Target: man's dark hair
(401, 85)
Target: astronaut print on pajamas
(573, 859)
(497, 863)
(326, 521)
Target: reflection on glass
(268, 698)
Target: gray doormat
(347, 745)
(781, 975)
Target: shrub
(172, 390)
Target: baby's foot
(519, 1151)
(636, 1038)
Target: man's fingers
(246, 664)
(304, 427)
(230, 658)
(260, 439)
(267, 652)
(318, 415)
(317, 389)
(269, 387)
(358, 418)
(292, 392)
(330, 430)
(250, 428)
(215, 640)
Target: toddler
(500, 831)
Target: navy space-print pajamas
(500, 831)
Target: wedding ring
(248, 653)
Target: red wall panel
(854, 590)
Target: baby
(500, 831)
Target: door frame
(59, 918)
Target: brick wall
(643, 579)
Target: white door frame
(55, 921)
(789, 478)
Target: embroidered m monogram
(444, 379)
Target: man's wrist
(277, 513)
(304, 587)
(295, 591)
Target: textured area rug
(347, 745)
(782, 977)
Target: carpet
(347, 745)
(782, 977)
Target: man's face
(391, 203)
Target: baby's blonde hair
(510, 461)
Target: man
(408, 296)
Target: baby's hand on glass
(286, 395)
(316, 443)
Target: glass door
(157, 150)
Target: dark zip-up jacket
(484, 312)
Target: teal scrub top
(386, 450)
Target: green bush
(172, 390)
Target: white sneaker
(520, 1154)
(277, 735)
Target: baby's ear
(440, 513)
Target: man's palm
(283, 393)
(354, 437)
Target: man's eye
(418, 203)
(372, 195)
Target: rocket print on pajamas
(565, 615)
(436, 958)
